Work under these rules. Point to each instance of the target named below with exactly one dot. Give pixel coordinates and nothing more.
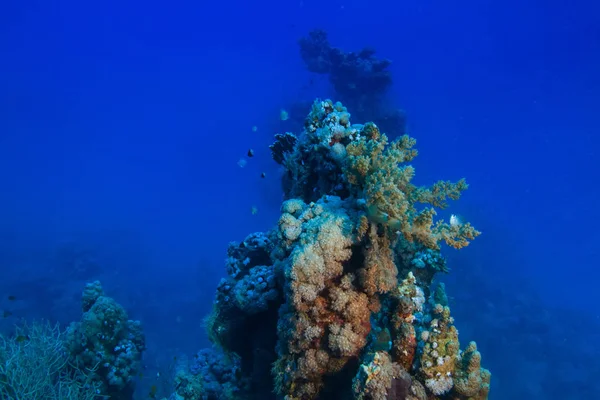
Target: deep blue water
(122, 123)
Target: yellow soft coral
(379, 172)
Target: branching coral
(379, 170)
(34, 364)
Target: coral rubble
(338, 301)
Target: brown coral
(410, 299)
(378, 377)
(328, 316)
(472, 381)
(379, 273)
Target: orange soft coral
(328, 319)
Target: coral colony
(337, 301)
(95, 358)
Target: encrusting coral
(337, 301)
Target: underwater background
(125, 129)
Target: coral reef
(107, 342)
(338, 300)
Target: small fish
(141, 375)
(254, 210)
(21, 338)
(6, 314)
(250, 153)
(284, 115)
(254, 128)
(153, 390)
(456, 220)
(242, 162)
(263, 175)
(11, 297)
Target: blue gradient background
(121, 124)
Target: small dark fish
(153, 390)
(250, 153)
(21, 338)
(6, 314)
(263, 175)
(12, 298)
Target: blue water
(122, 124)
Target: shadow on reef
(337, 301)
